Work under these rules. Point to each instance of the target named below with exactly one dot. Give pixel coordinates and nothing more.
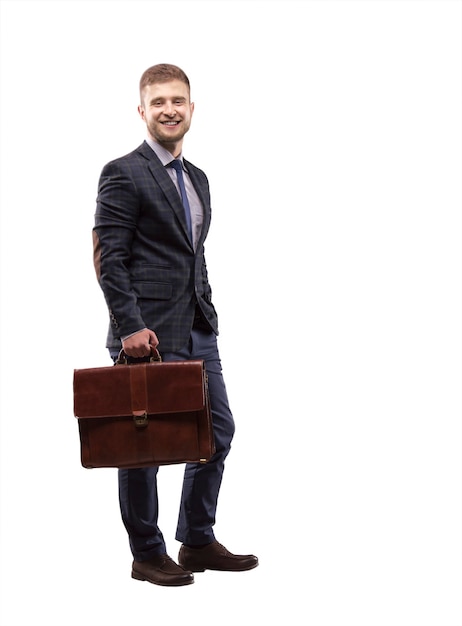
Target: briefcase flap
(120, 390)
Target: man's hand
(140, 344)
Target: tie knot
(176, 164)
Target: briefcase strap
(139, 394)
(138, 384)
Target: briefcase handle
(123, 359)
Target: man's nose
(169, 109)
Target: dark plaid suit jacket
(146, 266)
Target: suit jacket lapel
(166, 184)
(198, 185)
(202, 192)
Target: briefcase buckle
(141, 420)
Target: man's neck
(174, 148)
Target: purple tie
(178, 167)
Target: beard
(170, 135)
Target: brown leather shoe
(216, 557)
(161, 570)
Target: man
(150, 225)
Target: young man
(152, 218)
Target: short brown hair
(162, 73)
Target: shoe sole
(217, 569)
(137, 576)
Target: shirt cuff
(131, 334)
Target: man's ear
(141, 112)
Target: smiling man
(167, 111)
(152, 217)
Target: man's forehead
(170, 88)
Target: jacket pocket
(152, 291)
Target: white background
(331, 135)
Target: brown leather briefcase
(143, 414)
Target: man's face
(167, 112)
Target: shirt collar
(162, 153)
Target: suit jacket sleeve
(115, 225)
